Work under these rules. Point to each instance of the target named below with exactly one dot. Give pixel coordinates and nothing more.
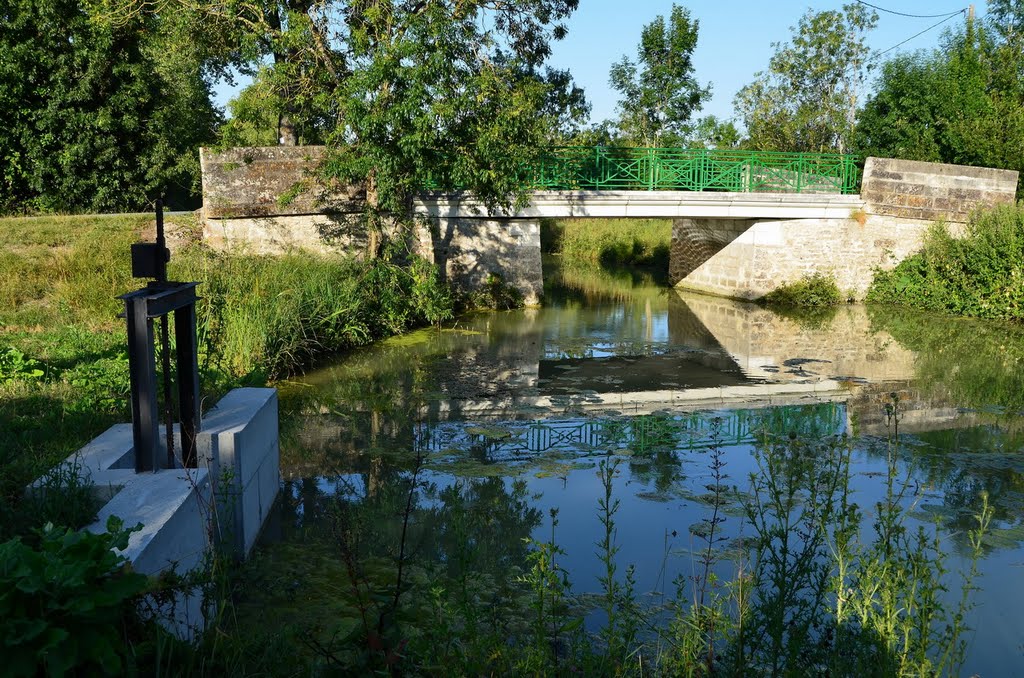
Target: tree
(807, 101)
(962, 103)
(660, 92)
(96, 118)
(406, 93)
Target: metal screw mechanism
(157, 300)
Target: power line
(935, 25)
(912, 16)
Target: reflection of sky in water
(664, 490)
(587, 341)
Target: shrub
(980, 274)
(813, 290)
(63, 606)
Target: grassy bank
(609, 242)
(63, 363)
(980, 274)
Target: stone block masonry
(909, 189)
(471, 250)
(900, 200)
(270, 201)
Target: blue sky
(734, 40)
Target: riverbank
(978, 273)
(609, 243)
(63, 360)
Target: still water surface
(512, 412)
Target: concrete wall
(268, 201)
(183, 512)
(746, 259)
(239, 444)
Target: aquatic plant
(811, 290)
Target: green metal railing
(674, 169)
(609, 168)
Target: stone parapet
(929, 191)
(272, 181)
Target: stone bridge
(753, 233)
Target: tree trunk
(286, 135)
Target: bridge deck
(650, 204)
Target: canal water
(511, 427)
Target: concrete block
(181, 510)
(239, 438)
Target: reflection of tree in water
(963, 361)
(964, 463)
(480, 524)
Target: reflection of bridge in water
(638, 434)
(705, 353)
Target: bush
(813, 290)
(63, 606)
(980, 274)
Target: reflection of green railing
(608, 168)
(639, 433)
(679, 169)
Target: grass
(609, 242)
(816, 290)
(63, 362)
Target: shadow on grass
(38, 430)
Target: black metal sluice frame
(141, 307)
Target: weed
(64, 606)
(812, 290)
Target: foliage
(267, 317)
(980, 274)
(63, 368)
(610, 242)
(63, 606)
(808, 98)
(14, 365)
(495, 294)
(405, 94)
(977, 364)
(960, 103)
(659, 91)
(814, 290)
(100, 119)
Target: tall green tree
(962, 103)
(660, 92)
(808, 98)
(96, 118)
(405, 92)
